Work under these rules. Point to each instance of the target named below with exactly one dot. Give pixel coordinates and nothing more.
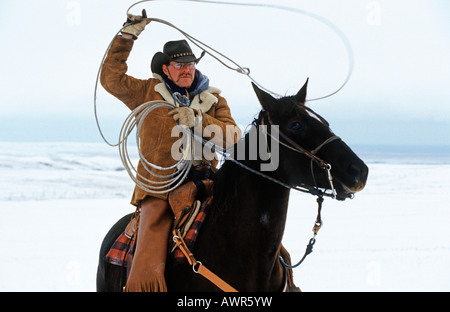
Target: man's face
(182, 74)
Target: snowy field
(58, 200)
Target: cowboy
(177, 81)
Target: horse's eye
(296, 127)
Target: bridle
(314, 190)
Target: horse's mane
(288, 106)
(226, 180)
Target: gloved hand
(186, 116)
(136, 24)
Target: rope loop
(245, 70)
(135, 119)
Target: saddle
(189, 203)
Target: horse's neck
(253, 223)
(259, 201)
(270, 198)
(269, 202)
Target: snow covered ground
(394, 236)
(58, 200)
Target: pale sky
(398, 94)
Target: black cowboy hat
(177, 51)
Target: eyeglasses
(178, 66)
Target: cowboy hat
(177, 51)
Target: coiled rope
(165, 182)
(137, 116)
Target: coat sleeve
(114, 79)
(219, 126)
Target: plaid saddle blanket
(123, 248)
(191, 230)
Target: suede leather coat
(155, 137)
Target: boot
(149, 262)
(182, 198)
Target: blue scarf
(182, 96)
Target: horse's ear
(264, 98)
(301, 95)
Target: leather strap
(205, 272)
(201, 269)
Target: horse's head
(307, 146)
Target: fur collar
(207, 96)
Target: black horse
(241, 238)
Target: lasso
(170, 181)
(137, 116)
